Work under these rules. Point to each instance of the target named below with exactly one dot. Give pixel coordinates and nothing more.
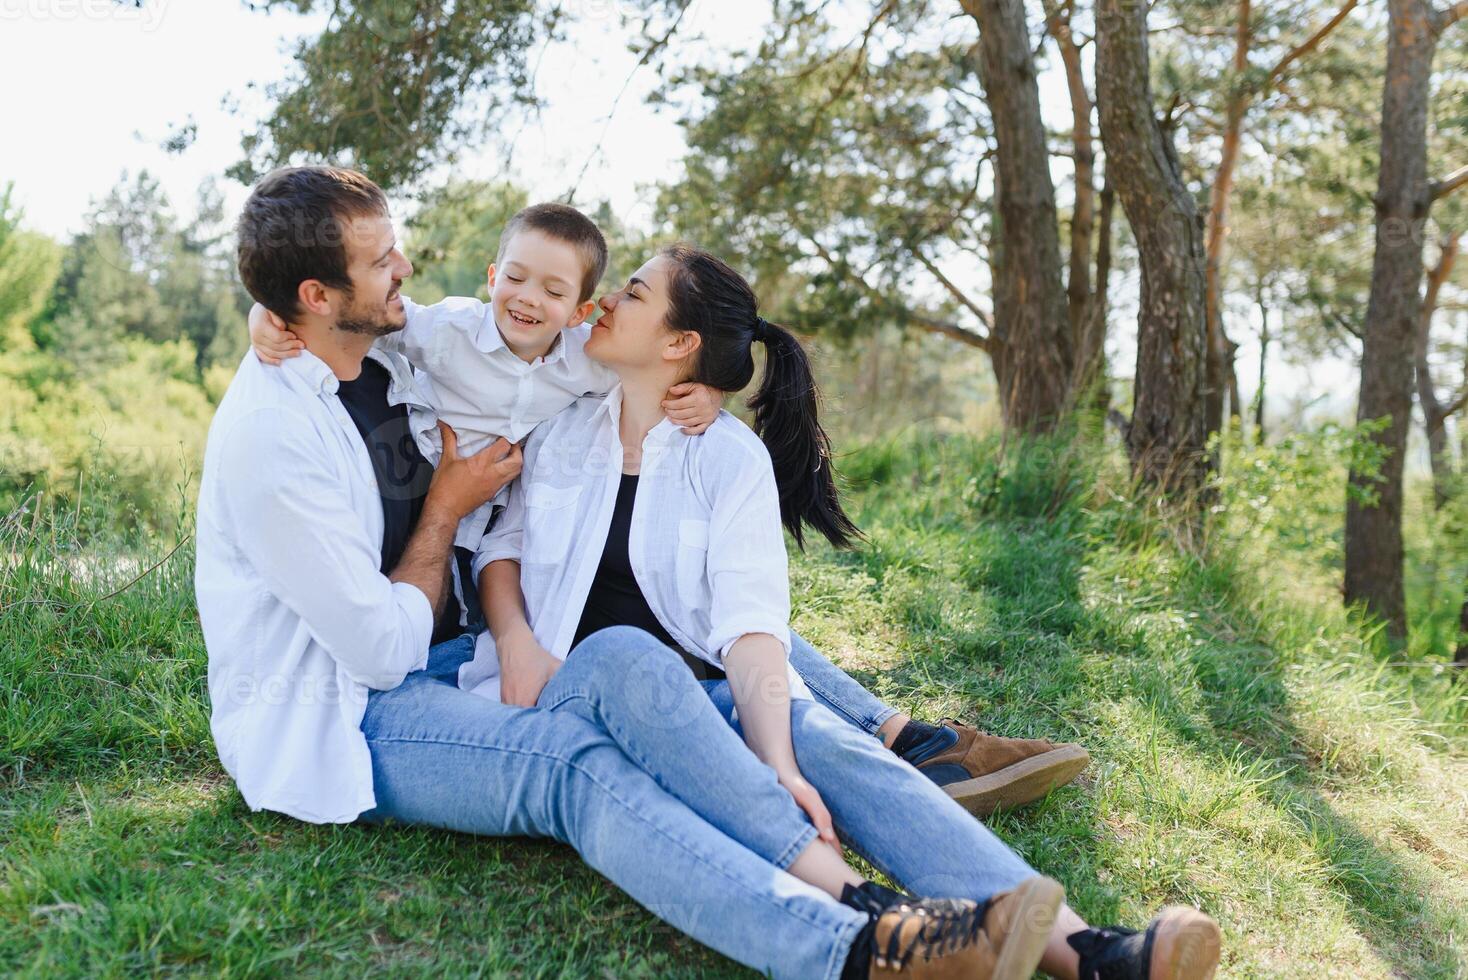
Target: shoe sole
(1024, 782)
(1036, 903)
(1188, 948)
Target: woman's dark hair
(714, 301)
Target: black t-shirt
(402, 473)
(616, 599)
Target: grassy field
(1251, 754)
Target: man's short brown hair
(293, 228)
(565, 224)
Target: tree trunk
(1090, 384)
(1373, 560)
(1460, 656)
(1260, 299)
(1231, 372)
(1033, 349)
(1434, 412)
(1166, 436)
(1215, 373)
(1078, 282)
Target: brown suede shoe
(1001, 940)
(985, 772)
(1185, 945)
(1180, 944)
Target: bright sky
(93, 88)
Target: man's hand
(693, 406)
(810, 801)
(272, 339)
(525, 668)
(462, 483)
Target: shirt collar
(312, 371)
(489, 339)
(318, 376)
(611, 405)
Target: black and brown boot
(1180, 944)
(938, 939)
(984, 772)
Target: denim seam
(625, 805)
(871, 724)
(802, 841)
(848, 939)
(881, 718)
(782, 860)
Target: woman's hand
(272, 340)
(525, 668)
(693, 406)
(810, 801)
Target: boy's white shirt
(476, 384)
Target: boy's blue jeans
(635, 764)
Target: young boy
(502, 368)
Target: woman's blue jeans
(681, 732)
(836, 689)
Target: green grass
(1252, 754)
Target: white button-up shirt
(298, 620)
(705, 544)
(481, 388)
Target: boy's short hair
(563, 223)
(293, 228)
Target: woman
(622, 521)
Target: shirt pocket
(550, 521)
(691, 568)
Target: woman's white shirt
(705, 544)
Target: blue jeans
(443, 757)
(681, 732)
(836, 689)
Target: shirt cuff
(780, 632)
(483, 559)
(419, 610)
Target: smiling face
(533, 291)
(633, 333)
(377, 268)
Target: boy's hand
(693, 406)
(461, 483)
(272, 341)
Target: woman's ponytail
(785, 417)
(709, 297)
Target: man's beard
(376, 326)
(378, 323)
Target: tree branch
(1309, 44)
(946, 328)
(1450, 183)
(985, 317)
(1448, 16)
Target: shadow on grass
(1387, 900)
(995, 614)
(166, 873)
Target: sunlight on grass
(1251, 753)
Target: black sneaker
(1180, 944)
